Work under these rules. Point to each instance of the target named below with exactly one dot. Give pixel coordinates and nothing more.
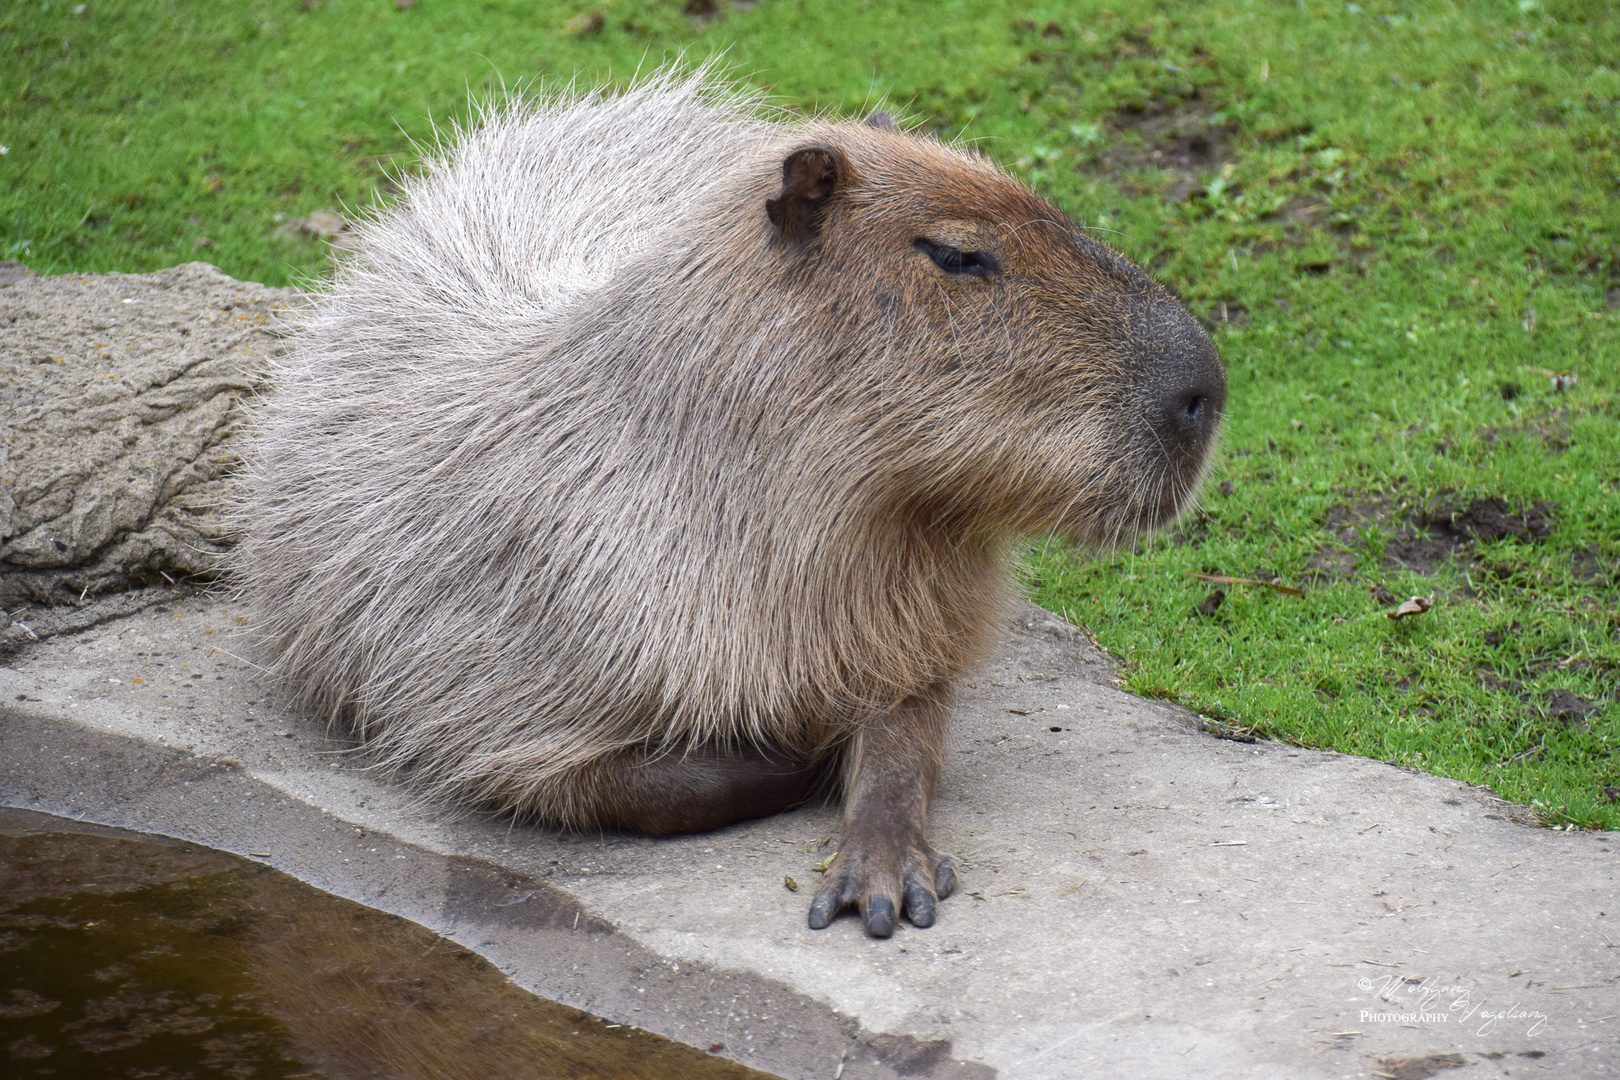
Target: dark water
(124, 955)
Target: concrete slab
(1139, 899)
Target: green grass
(1415, 214)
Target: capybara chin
(656, 464)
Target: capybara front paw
(883, 885)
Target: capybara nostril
(1195, 410)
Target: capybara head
(1038, 379)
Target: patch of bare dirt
(1346, 521)
(1554, 709)
(1491, 518)
(1422, 537)
(1566, 708)
(1177, 138)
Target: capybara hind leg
(674, 792)
(885, 866)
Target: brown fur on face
(646, 437)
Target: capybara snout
(1183, 398)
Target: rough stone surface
(120, 415)
(1138, 899)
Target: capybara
(657, 462)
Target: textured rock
(120, 415)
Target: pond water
(127, 955)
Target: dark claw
(823, 909)
(920, 906)
(945, 878)
(880, 917)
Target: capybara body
(656, 464)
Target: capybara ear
(880, 119)
(809, 177)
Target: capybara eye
(956, 261)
